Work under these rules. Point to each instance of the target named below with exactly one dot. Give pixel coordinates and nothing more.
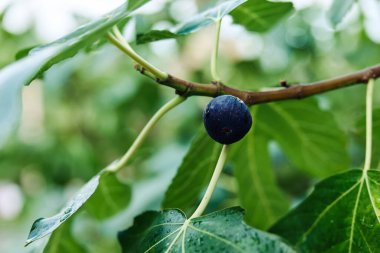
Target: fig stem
(211, 187)
(119, 41)
(214, 56)
(144, 133)
(369, 103)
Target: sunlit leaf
(341, 215)
(86, 35)
(258, 192)
(309, 136)
(194, 173)
(12, 79)
(107, 195)
(208, 17)
(39, 59)
(196, 23)
(260, 15)
(221, 231)
(339, 10)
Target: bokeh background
(87, 110)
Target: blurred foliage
(87, 110)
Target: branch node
(370, 74)
(219, 87)
(300, 92)
(249, 99)
(188, 88)
(140, 68)
(284, 84)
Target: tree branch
(187, 88)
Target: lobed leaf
(194, 173)
(104, 184)
(260, 15)
(309, 136)
(341, 215)
(196, 23)
(221, 231)
(258, 191)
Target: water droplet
(64, 217)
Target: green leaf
(221, 231)
(155, 35)
(260, 15)
(63, 241)
(194, 173)
(309, 136)
(110, 198)
(45, 226)
(258, 191)
(341, 215)
(134, 4)
(198, 22)
(24, 52)
(339, 10)
(375, 134)
(39, 59)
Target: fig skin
(227, 119)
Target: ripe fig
(227, 119)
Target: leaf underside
(341, 215)
(22, 72)
(196, 23)
(115, 197)
(221, 231)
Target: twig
(187, 88)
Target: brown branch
(187, 88)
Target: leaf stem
(118, 40)
(143, 134)
(368, 144)
(211, 187)
(214, 56)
